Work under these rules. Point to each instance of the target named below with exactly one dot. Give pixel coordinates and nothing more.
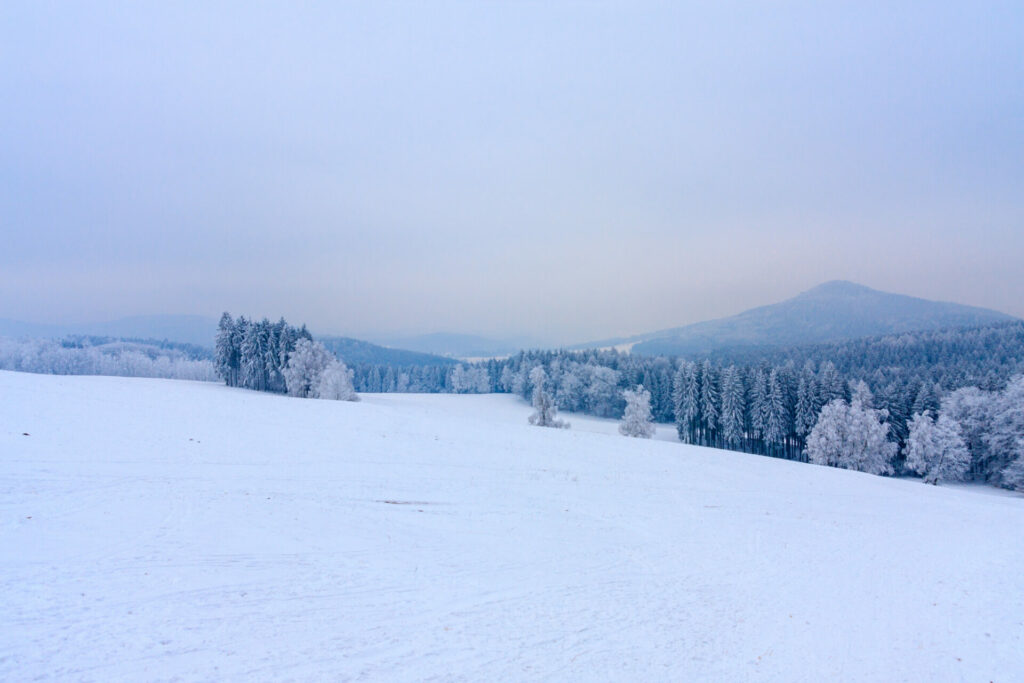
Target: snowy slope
(154, 529)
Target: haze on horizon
(569, 171)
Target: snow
(160, 529)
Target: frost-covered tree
(851, 437)
(1006, 435)
(546, 414)
(1013, 474)
(830, 384)
(461, 381)
(936, 449)
(776, 418)
(928, 399)
(971, 408)
(709, 404)
(569, 395)
(758, 407)
(226, 351)
(305, 366)
(636, 420)
(806, 410)
(336, 383)
(688, 405)
(860, 393)
(602, 395)
(733, 397)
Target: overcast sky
(567, 171)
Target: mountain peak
(838, 287)
(832, 311)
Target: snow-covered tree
(305, 366)
(806, 408)
(851, 437)
(830, 384)
(709, 404)
(687, 408)
(602, 394)
(733, 397)
(570, 392)
(460, 380)
(758, 404)
(1006, 435)
(636, 420)
(1013, 474)
(928, 399)
(776, 418)
(546, 414)
(936, 449)
(860, 393)
(972, 409)
(336, 383)
(226, 351)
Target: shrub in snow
(336, 383)
(546, 412)
(306, 365)
(853, 437)
(936, 450)
(636, 420)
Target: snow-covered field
(158, 530)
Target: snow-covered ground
(157, 530)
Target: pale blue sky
(563, 170)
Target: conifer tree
(709, 404)
(775, 417)
(731, 418)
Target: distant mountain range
(829, 312)
(459, 345)
(358, 352)
(833, 311)
(201, 331)
(186, 329)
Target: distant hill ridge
(186, 329)
(832, 311)
(358, 352)
(200, 331)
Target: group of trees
(276, 357)
(852, 435)
(945, 404)
(104, 356)
(770, 402)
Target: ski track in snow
(167, 530)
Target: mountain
(186, 329)
(358, 352)
(829, 312)
(460, 345)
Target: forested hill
(358, 352)
(984, 356)
(829, 312)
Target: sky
(567, 171)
